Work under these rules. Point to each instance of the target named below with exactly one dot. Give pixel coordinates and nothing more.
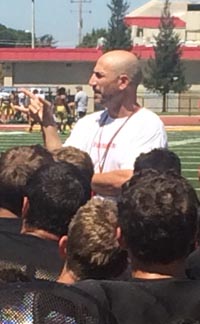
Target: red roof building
(151, 22)
(49, 54)
(90, 55)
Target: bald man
(115, 136)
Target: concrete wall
(192, 71)
(51, 72)
(54, 74)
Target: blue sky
(57, 17)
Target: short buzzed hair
(93, 250)
(18, 163)
(16, 167)
(125, 62)
(79, 87)
(134, 71)
(55, 192)
(159, 159)
(77, 157)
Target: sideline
(182, 128)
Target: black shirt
(160, 301)
(39, 258)
(192, 265)
(12, 225)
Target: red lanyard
(103, 159)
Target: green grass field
(185, 143)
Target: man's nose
(92, 80)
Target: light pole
(33, 24)
(80, 16)
(80, 23)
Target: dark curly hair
(158, 214)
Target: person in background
(81, 102)
(61, 109)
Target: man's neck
(159, 271)
(67, 277)
(123, 111)
(5, 213)
(39, 233)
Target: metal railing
(183, 104)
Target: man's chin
(97, 96)
(99, 99)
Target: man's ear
(123, 81)
(118, 233)
(120, 238)
(25, 207)
(62, 247)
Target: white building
(145, 21)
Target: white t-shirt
(141, 133)
(81, 100)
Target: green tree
(19, 38)
(91, 39)
(46, 40)
(119, 35)
(165, 72)
(14, 38)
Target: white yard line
(190, 163)
(190, 178)
(188, 170)
(13, 133)
(184, 142)
(189, 157)
(185, 153)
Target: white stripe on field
(189, 157)
(192, 179)
(189, 148)
(183, 162)
(13, 133)
(184, 142)
(189, 151)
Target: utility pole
(33, 24)
(80, 22)
(80, 16)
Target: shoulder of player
(146, 114)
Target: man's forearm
(109, 183)
(51, 138)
